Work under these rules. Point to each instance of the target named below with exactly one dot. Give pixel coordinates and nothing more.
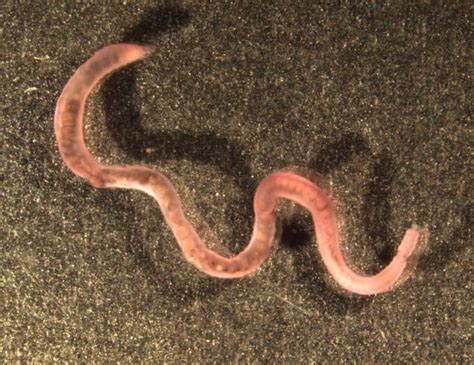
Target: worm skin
(68, 123)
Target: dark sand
(374, 98)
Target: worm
(68, 126)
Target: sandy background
(373, 98)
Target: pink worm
(68, 120)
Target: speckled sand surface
(374, 98)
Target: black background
(371, 100)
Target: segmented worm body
(68, 121)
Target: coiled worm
(68, 120)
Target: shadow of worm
(68, 121)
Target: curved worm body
(68, 121)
